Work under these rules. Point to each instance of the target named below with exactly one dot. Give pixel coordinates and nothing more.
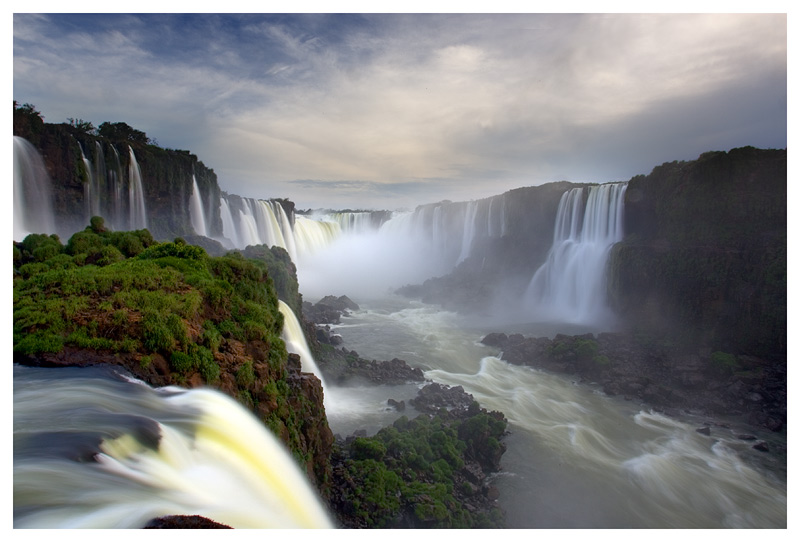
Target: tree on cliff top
(120, 131)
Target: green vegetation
(409, 474)
(123, 292)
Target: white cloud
(407, 99)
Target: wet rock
(399, 406)
(704, 430)
(761, 446)
(495, 339)
(436, 396)
(184, 522)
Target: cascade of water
(32, 198)
(288, 232)
(196, 212)
(311, 235)
(468, 231)
(138, 214)
(571, 285)
(119, 219)
(91, 192)
(228, 227)
(296, 343)
(97, 451)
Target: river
(576, 458)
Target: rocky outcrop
(329, 309)
(343, 365)
(434, 471)
(184, 522)
(659, 373)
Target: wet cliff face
(704, 257)
(167, 178)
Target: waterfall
(311, 235)
(99, 450)
(288, 232)
(296, 342)
(196, 212)
(32, 195)
(138, 214)
(91, 189)
(228, 227)
(571, 285)
(468, 231)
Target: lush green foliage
(123, 292)
(404, 475)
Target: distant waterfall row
(452, 230)
(115, 193)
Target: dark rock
(495, 339)
(436, 396)
(704, 430)
(761, 446)
(184, 522)
(399, 406)
(746, 437)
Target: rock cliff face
(704, 258)
(167, 178)
(170, 315)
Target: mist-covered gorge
(687, 264)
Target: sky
(392, 110)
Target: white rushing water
(576, 458)
(196, 210)
(100, 451)
(137, 210)
(296, 343)
(571, 285)
(32, 192)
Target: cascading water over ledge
(98, 451)
(571, 285)
(32, 209)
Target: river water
(576, 458)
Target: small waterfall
(91, 189)
(571, 285)
(196, 212)
(468, 231)
(296, 342)
(32, 192)
(138, 214)
(102, 451)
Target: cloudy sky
(392, 110)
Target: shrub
(245, 376)
(365, 448)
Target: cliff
(167, 177)
(704, 257)
(169, 314)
